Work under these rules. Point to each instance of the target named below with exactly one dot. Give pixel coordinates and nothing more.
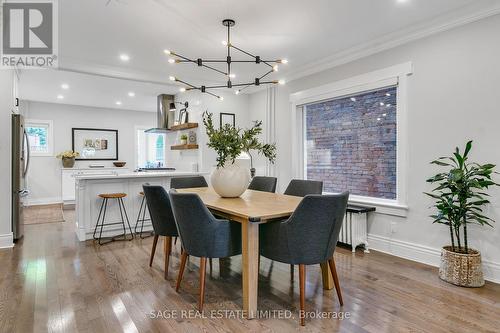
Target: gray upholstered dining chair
(187, 182)
(301, 188)
(162, 218)
(308, 237)
(202, 235)
(264, 184)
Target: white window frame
(136, 143)
(50, 136)
(392, 76)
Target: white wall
(452, 97)
(44, 177)
(6, 107)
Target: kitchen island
(88, 203)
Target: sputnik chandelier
(272, 66)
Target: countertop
(147, 174)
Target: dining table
(251, 209)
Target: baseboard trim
(424, 254)
(43, 201)
(6, 241)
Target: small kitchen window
(40, 138)
(150, 149)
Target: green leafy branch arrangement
(460, 195)
(229, 141)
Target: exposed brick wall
(351, 144)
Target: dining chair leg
(153, 250)
(302, 283)
(203, 265)
(336, 280)
(181, 270)
(210, 264)
(168, 250)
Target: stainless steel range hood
(164, 117)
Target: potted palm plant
(230, 179)
(459, 197)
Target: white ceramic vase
(231, 180)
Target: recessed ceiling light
(131, 94)
(353, 99)
(60, 96)
(65, 86)
(124, 57)
(118, 103)
(402, 1)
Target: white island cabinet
(68, 176)
(88, 203)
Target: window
(350, 143)
(150, 149)
(39, 134)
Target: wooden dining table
(251, 209)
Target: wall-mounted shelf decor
(95, 144)
(183, 126)
(183, 147)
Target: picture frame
(227, 118)
(95, 144)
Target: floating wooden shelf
(183, 126)
(183, 147)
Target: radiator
(354, 231)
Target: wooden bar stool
(102, 212)
(141, 218)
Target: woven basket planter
(461, 269)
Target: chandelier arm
(187, 84)
(251, 55)
(266, 74)
(215, 69)
(182, 57)
(208, 92)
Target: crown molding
(463, 16)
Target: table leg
(250, 251)
(327, 276)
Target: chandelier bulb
(224, 43)
(171, 78)
(282, 82)
(232, 75)
(171, 61)
(221, 98)
(275, 68)
(182, 89)
(284, 61)
(237, 92)
(167, 52)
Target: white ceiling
(93, 33)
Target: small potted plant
(184, 139)
(229, 179)
(68, 158)
(459, 197)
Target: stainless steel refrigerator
(20, 166)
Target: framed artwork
(95, 144)
(227, 118)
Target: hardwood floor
(51, 282)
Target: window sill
(383, 206)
